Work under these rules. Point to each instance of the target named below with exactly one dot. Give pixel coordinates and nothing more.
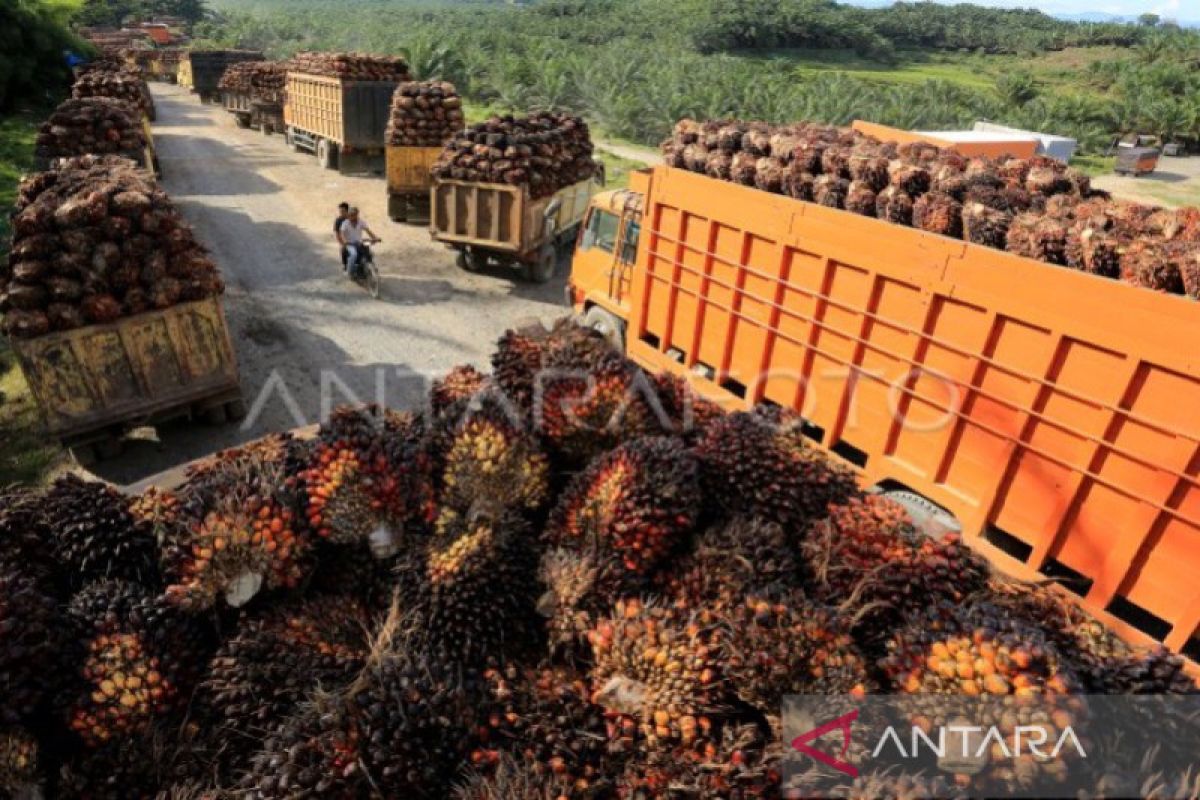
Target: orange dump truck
(1051, 414)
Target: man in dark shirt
(343, 212)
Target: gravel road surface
(305, 336)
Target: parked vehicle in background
(338, 120)
(201, 70)
(984, 390)
(1136, 160)
(409, 180)
(251, 113)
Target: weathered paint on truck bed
(500, 217)
(353, 114)
(1053, 412)
(408, 168)
(94, 378)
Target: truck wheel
(543, 269)
(265, 129)
(462, 262)
(607, 325)
(242, 120)
(327, 154)
(398, 207)
(236, 410)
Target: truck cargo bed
(353, 114)
(500, 217)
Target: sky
(1175, 9)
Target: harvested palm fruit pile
(462, 604)
(120, 84)
(543, 151)
(1037, 208)
(96, 125)
(424, 114)
(353, 66)
(93, 241)
(264, 81)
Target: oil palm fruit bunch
(580, 587)
(460, 383)
(658, 673)
(513, 779)
(20, 774)
(25, 540)
(146, 765)
(542, 716)
(522, 355)
(729, 560)
(353, 571)
(732, 762)
(867, 558)
(785, 644)
(487, 461)
(95, 537)
(637, 502)
(239, 529)
(470, 596)
(689, 413)
(935, 212)
(985, 225)
(30, 641)
(134, 660)
(275, 659)
(758, 464)
(315, 753)
(368, 478)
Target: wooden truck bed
(1053, 412)
(353, 114)
(131, 371)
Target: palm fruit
(471, 595)
(95, 537)
(869, 170)
(238, 528)
(785, 644)
(514, 780)
(522, 356)
(137, 660)
(689, 413)
(30, 640)
(274, 660)
(25, 539)
(743, 169)
(861, 199)
(895, 786)
(732, 762)
(719, 165)
(984, 225)
(580, 587)
(542, 716)
(658, 674)
(894, 206)
(798, 183)
(369, 478)
(316, 753)
(20, 774)
(867, 558)
(1150, 264)
(830, 191)
(1039, 237)
(1093, 248)
(729, 560)
(769, 174)
(911, 179)
(637, 502)
(458, 384)
(1047, 177)
(758, 464)
(938, 213)
(488, 462)
(355, 571)
(146, 765)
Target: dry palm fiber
(424, 114)
(352, 66)
(91, 125)
(264, 81)
(543, 151)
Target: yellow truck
(342, 122)
(493, 222)
(409, 179)
(93, 384)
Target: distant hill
(1084, 16)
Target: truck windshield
(601, 231)
(633, 232)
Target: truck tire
(607, 325)
(241, 120)
(398, 207)
(543, 269)
(327, 154)
(266, 129)
(928, 517)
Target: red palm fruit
(758, 464)
(459, 383)
(580, 588)
(730, 560)
(20, 772)
(637, 503)
(729, 761)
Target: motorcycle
(366, 274)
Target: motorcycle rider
(355, 233)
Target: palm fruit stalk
(460, 383)
(274, 660)
(91, 125)
(95, 537)
(369, 479)
(488, 461)
(735, 761)
(658, 674)
(544, 151)
(511, 779)
(134, 661)
(31, 639)
(637, 503)
(580, 588)
(98, 242)
(352, 66)
(470, 596)
(867, 559)
(424, 114)
(741, 448)
(20, 772)
(238, 529)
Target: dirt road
(1175, 183)
(305, 336)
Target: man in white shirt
(355, 232)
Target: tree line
(33, 40)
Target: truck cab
(601, 269)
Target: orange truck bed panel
(1053, 412)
